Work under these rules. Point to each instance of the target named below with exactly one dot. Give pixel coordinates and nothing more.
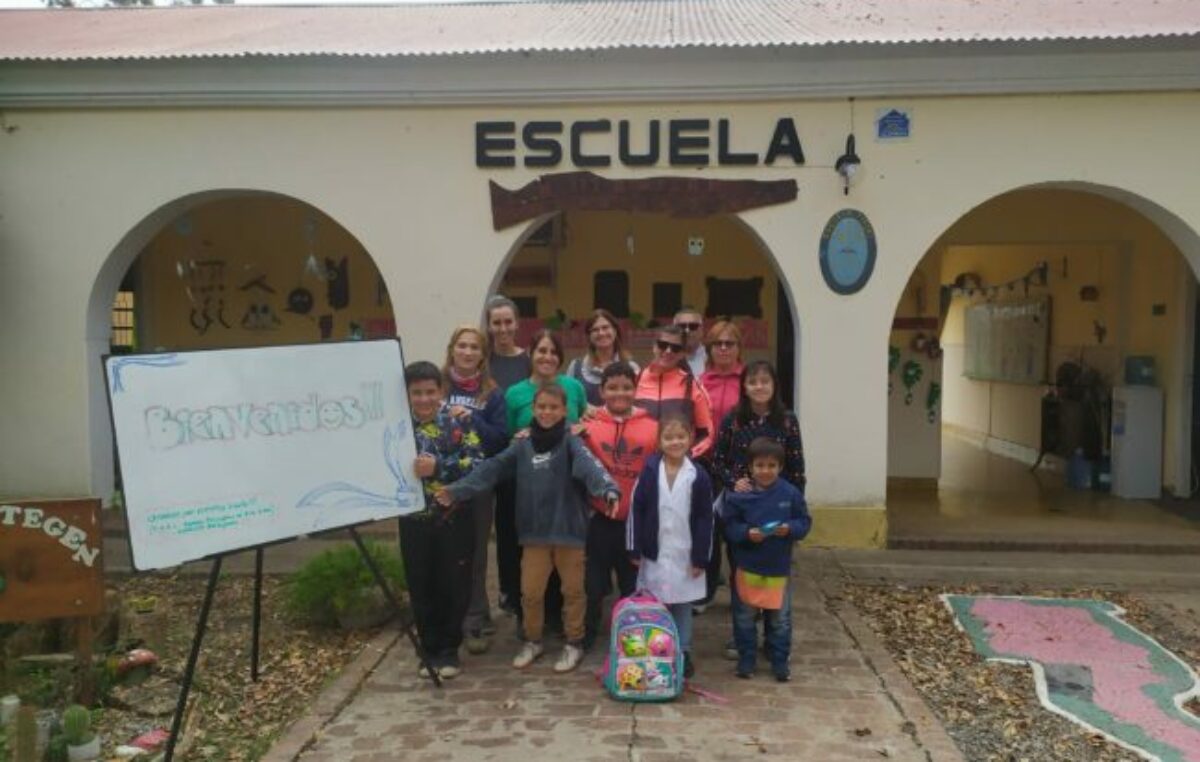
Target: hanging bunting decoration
(932, 399)
(969, 284)
(910, 374)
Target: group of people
(603, 471)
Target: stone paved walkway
(836, 708)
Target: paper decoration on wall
(932, 399)
(847, 251)
(356, 332)
(258, 284)
(325, 323)
(893, 363)
(911, 375)
(209, 312)
(299, 301)
(337, 275)
(260, 317)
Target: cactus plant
(77, 725)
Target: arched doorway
(228, 269)
(1036, 285)
(644, 267)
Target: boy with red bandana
(621, 436)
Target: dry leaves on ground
(991, 709)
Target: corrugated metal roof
(566, 25)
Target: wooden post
(87, 677)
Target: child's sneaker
(477, 643)
(783, 675)
(571, 656)
(745, 669)
(731, 652)
(528, 653)
(424, 672)
(450, 669)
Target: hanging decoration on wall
(893, 362)
(911, 374)
(970, 284)
(299, 301)
(847, 251)
(932, 399)
(337, 276)
(259, 284)
(927, 345)
(260, 317)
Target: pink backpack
(645, 662)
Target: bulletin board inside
(1008, 341)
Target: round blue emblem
(847, 251)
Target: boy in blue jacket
(761, 526)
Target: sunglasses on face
(725, 344)
(668, 346)
(689, 326)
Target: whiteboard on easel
(227, 449)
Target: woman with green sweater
(546, 353)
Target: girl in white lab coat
(670, 527)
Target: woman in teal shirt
(546, 353)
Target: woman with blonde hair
(604, 349)
(473, 395)
(723, 370)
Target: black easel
(190, 670)
(257, 615)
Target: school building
(924, 211)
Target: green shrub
(338, 579)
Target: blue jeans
(682, 614)
(778, 627)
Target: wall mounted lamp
(847, 164)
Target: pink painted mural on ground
(1091, 667)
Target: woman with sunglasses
(722, 381)
(667, 386)
(604, 349)
(722, 375)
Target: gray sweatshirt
(552, 507)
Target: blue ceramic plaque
(847, 251)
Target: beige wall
(914, 427)
(1087, 241)
(82, 192)
(216, 250)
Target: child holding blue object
(670, 527)
(437, 544)
(761, 526)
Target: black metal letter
(724, 155)
(578, 157)
(679, 142)
(552, 150)
(630, 159)
(484, 144)
(785, 141)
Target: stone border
(923, 725)
(332, 699)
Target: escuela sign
(50, 560)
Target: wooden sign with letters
(50, 560)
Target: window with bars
(124, 336)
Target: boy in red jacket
(621, 436)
